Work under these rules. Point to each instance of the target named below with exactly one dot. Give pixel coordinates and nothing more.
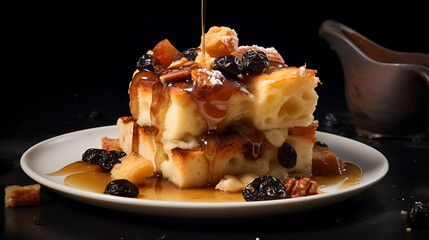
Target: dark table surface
(76, 76)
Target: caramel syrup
(351, 177)
(203, 25)
(213, 101)
(253, 138)
(86, 176)
(79, 166)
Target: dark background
(67, 66)
(72, 49)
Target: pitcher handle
(419, 70)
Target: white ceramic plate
(52, 154)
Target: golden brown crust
(140, 92)
(285, 74)
(110, 144)
(180, 153)
(308, 133)
(220, 41)
(126, 119)
(166, 53)
(325, 162)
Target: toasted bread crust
(325, 162)
(109, 144)
(21, 196)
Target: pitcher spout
(387, 92)
(334, 33)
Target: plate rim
(90, 197)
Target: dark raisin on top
(119, 154)
(286, 155)
(122, 187)
(190, 54)
(254, 62)
(93, 155)
(229, 65)
(320, 144)
(109, 159)
(265, 188)
(146, 63)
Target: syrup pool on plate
(90, 177)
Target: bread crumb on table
(20, 196)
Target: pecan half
(176, 75)
(300, 188)
(178, 72)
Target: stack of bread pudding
(220, 115)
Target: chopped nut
(300, 188)
(181, 62)
(176, 75)
(313, 188)
(166, 53)
(178, 72)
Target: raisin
(418, 216)
(229, 65)
(321, 144)
(190, 54)
(265, 188)
(119, 154)
(286, 155)
(122, 187)
(93, 155)
(109, 159)
(254, 62)
(330, 120)
(147, 63)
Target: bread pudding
(219, 110)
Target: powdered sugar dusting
(302, 72)
(263, 49)
(230, 40)
(215, 77)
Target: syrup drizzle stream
(203, 25)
